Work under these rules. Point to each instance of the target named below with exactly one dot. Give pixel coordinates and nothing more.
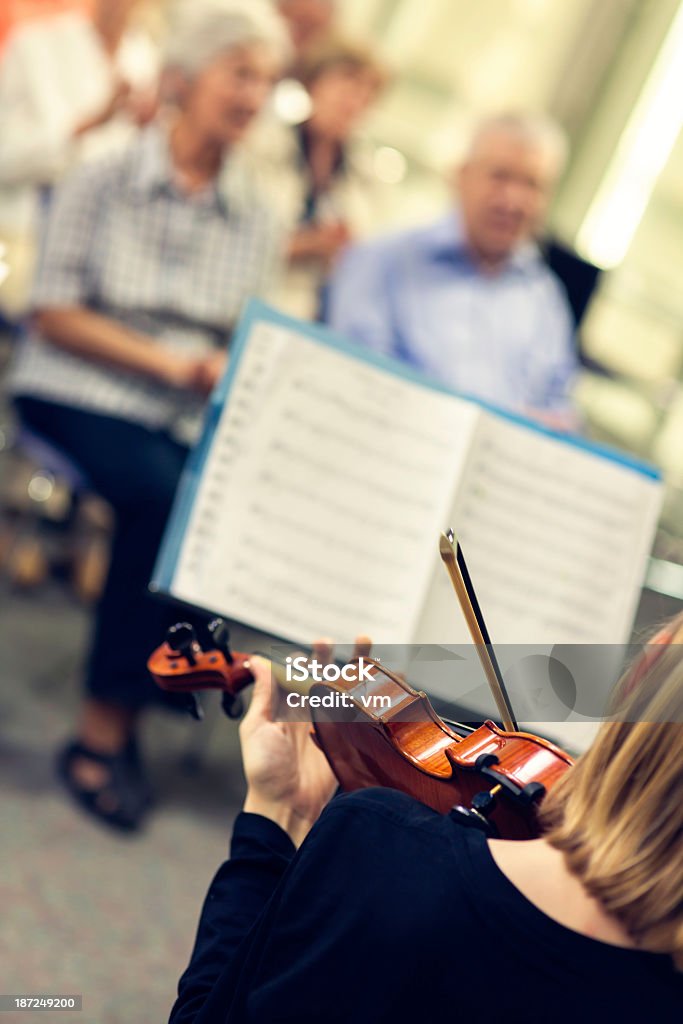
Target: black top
(392, 912)
(314, 194)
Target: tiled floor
(84, 911)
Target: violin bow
(454, 560)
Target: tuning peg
(232, 706)
(190, 703)
(220, 635)
(183, 639)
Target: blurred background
(113, 918)
(611, 74)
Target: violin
(376, 730)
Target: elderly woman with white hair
(146, 263)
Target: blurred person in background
(316, 173)
(14, 12)
(311, 24)
(469, 300)
(72, 87)
(146, 263)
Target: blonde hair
(618, 815)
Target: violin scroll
(181, 665)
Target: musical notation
(327, 480)
(555, 538)
(323, 476)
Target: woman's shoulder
(127, 172)
(107, 170)
(379, 800)
(381, 808)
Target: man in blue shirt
(469, 300)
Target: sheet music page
(556, 538)
(326, 485)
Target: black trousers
(137, 471)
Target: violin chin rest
(468, 817)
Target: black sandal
(122, 800)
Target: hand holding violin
(288, 777)
(490, 778)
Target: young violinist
(381, 909)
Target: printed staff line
(596, 492)
(510, 483)
(334, 578)
(365, 554)
(599, 595)
(352, 613)
(280, 615)
(536, 600)
(322, 467)
(500, 582)
(198, 553)
(545, 618)
(476, 514)
(339, 508)
(556, 625)
(472, 514)
(387, 423)
(493, 481)
(381, 454)
(547, 624)
(520, 572)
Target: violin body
(487, 772)
(388, 734)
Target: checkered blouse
(122, 240)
